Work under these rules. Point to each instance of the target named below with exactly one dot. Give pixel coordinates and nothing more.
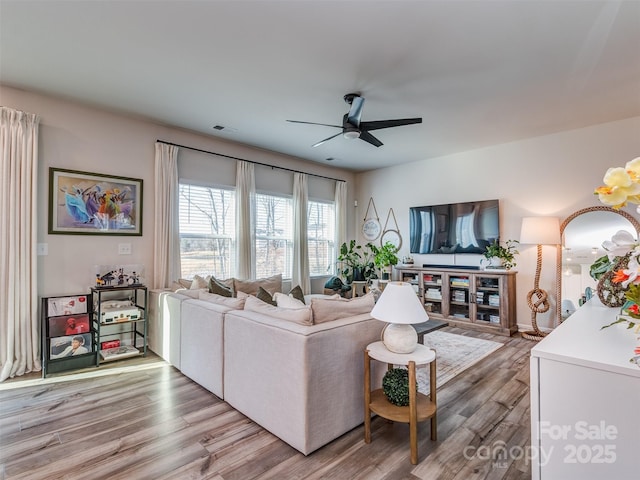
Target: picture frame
(85, 203)
(68, 325)
(62, 347)
(66, 305)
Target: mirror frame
(564, 224)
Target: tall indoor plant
(355, 262)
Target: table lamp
(538, 231)
(399, 306)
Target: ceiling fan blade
(355, 112)
(367, 137)
(378, 124)
(313, 123)
(326, 139)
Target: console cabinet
(478, 299)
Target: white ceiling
(479, 73)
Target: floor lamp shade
(540, 231)
(400, 307)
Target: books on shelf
(459, 281)
(458, 296)
(433, 294)
(494, 300)
(119, 352)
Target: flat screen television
(454, 228)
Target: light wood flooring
(142, 419)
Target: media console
(450, 267)
(466, 296)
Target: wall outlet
(42, 249)
(124, 249)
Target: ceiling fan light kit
(352, 126)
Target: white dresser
(585, 400)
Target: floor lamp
(538, 231)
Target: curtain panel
(166, 237)
(300, 270)
(245, 220)
(19, 324)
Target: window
(274, 235)
(321, 237)
(207, 231)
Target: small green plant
(384, 257)
(395, 385)
(507, 253)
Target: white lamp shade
(399, 304)
(540, 231)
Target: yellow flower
(621, 185)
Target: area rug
(455, 353)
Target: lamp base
(536, 336)
(399, 338)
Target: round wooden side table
(421, 407)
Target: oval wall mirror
(582, 234)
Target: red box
(109, 344)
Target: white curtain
(245, 219)
(166, 239)
(341, 214)
(19, 324)
(300, 275)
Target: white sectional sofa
(303, 383)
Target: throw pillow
(328, 310)
(192, 292)
(270, 284)
(287, 301)
(219, 288)
(199, 282)
(296, 292)
(236, 303)
(265, 296)
(301, 316)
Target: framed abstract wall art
(94, 204)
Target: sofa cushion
(301, 316)
(231, 302)
(265, 296)
(192, 293)
(220, 287)
(199, 282)
(270, 284)
(297, 293)
(287, 301)
(181, 283)
(327, 310)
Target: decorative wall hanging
(371, 228)
(389, 234)
(94, 204)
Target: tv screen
(454, 228)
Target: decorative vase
(493, 262)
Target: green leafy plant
(355, 262)
(395, 385)
(505, 253)
(601, 266)
(384, 257)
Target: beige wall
(550, 175)
(553, 175)
(78, 137)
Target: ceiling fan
(352, 127)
